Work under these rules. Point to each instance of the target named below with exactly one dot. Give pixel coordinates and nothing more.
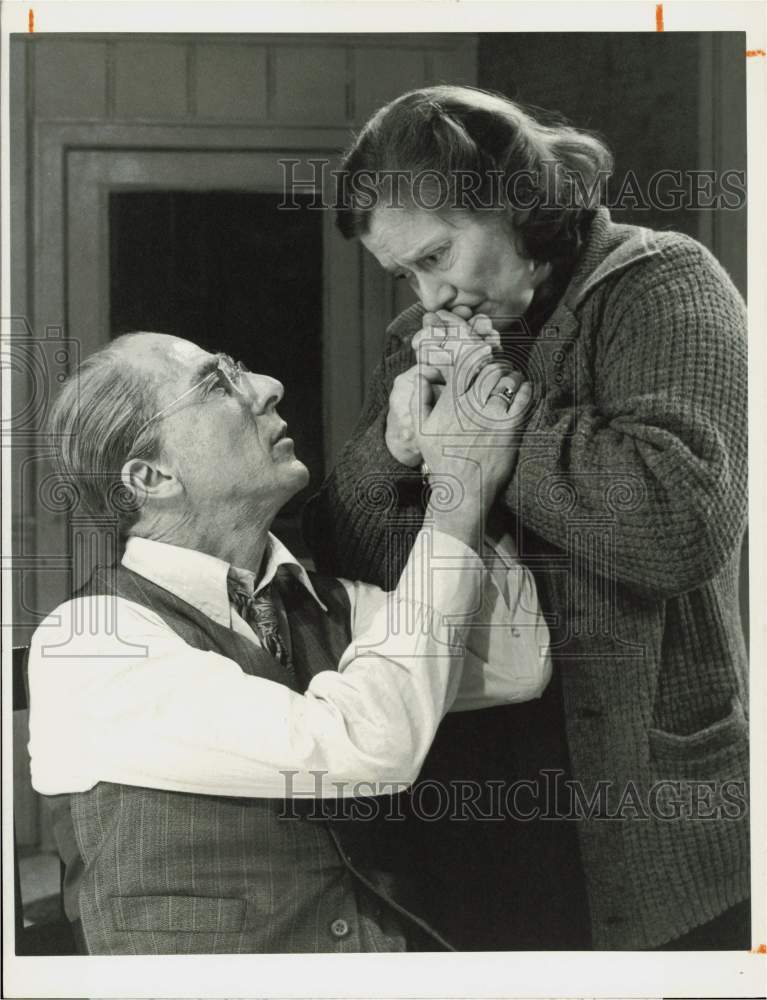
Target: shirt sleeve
(117, 696)
(505, 639)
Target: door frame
(92, 174)
(54, 294)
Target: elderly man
(189, 705)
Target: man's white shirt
(116, 695)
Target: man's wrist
(460, 525)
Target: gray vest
(156, 872)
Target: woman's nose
(266, 391)
(435, 293)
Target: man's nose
(435, 293)
(266, 391)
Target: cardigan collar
(609, 248)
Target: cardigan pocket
(717, 750)
(205, 914)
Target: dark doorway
(233, 273)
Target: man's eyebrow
(204, 369)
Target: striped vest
(157, 872)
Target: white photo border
(605, 974)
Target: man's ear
(149, 481)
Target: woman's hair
(94, 425)
(459, 148)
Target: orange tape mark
(659, 17)
(31, 20)
(755, 52)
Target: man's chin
(299, 472)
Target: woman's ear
(147, 481)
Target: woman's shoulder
(680, 261)
(403, 327)
(638, 259)
(680, 249)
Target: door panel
(93, 174)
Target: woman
(628, 501)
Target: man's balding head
(155, 422)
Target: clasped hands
(452, 353)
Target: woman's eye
(435, 258)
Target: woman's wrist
(401, 450)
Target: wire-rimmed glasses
(226, 367)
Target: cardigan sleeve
(657, 458)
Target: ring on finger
(506, 393)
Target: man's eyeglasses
(227, 373)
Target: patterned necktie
(259, 611)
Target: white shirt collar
(200, 579)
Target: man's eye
(218, 383)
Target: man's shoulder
(112, 597)
(91, 623)
(117, 581)
(110, 580)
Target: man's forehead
(186, 354)
(165, 349)
(171, 363)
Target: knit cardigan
(629, 503)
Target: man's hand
(412, 385)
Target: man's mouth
(280, 435)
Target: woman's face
(462, 261)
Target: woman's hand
(444, 324)
(474, 426)
(469, 439)
(444, 337)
